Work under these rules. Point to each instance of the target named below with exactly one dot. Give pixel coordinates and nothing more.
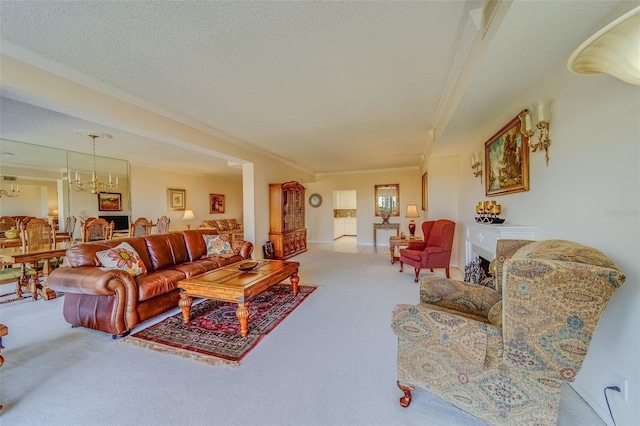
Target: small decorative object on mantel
(488, 212)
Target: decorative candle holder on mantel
(488, 212)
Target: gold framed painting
(109, 201)
(176, 199)
(506, 159)
(216, 203)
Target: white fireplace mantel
(480, 238)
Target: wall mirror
(387, 199)
(41, 173)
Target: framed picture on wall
(176, 199)
(216, 203)
(109, 201)
(506, 159)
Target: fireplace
(480, 238)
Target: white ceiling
(330, 86)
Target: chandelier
(93, 185)
(11, 193)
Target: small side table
(377, 226)
(400, 242)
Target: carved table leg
(295, 279)
(33, 286)
(185, 304)
(46, 292)
(242, 313)
(392, 249)
(405, 400)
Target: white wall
(32, 201)
(589, 193)
(149, 196)
(150, 200)
(319, 220)
(442, 201)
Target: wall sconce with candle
(476, 165)
(540, 115)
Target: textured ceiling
(330, 86)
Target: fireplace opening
(477, 272)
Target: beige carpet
(331, 362)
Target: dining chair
(7, 222)
(162, 226)
(97, 229)
(141, 227)
(37, 232)
(70, 226)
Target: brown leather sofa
(113, 301)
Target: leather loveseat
(114, 301)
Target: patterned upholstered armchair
(434, 251)
(502, 354)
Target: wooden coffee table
(230, 284)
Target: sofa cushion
(233, 224)
(225, 259)
(122, 257)
(222, 224)
(196, 267)
(157, 283)
(166, 250)
(194, 241)
(217, 245)
(208, 224)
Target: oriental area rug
(213, 334)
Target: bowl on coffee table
(248, 266)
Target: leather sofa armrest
(460, 296)
(92, 280)
(246, 250)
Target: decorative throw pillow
(123, 257)
(217, 245)
(222, 224)
(495, 314)
(233, 224)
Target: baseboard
(600, 411)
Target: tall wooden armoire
(286, 219)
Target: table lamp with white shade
(412, 213)
(188, 216)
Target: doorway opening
(345, 222)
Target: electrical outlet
(622, 383)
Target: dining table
(33, 254)
(17, 242)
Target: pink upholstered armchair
(434, 251)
